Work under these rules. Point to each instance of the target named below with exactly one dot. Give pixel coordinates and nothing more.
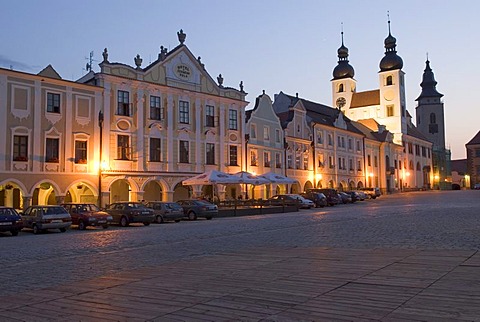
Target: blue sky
(271, 45)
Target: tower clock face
(341, 101)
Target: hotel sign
(183, 71)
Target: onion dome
(391, 60)
(343, 69)
(428, 83)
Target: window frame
(123, 147)
(232, 119)
(123, 107)
(20, 149)
(155, 150)
(81, 152)
(183, 112)
(156, 110)
(183, 155)
(53, 98)
(210, 153)
(52, 150)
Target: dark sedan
(125, 213)
(87, 214)
(10, 220)
(166, 211)
(192, 209)
(318, 198)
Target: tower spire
(388, 16)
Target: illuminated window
(80, 151)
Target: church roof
(475, 140)
(413, 131)
(459, 165)
(428, 83)
(50, 72)
(367, 98)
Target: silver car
(41, 218)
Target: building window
(80, 152)
(253, 131)
(20, 148)
(340, 163)
(411, 165)
(210, 116)
(266, 133)
(350, 164)
(52, 150)
(297, 161)
(417, 149)
(339, 142)
(375, 161)
(232, 120)
(424, 151)
(266, 159)
(389, 80)
(123, 101)
(410, 148)
(428, 153)
(359, 165)
(156, 108)
(359, 149)
(390, 111)
(350, 144)
(340, 88)
(183, 151)
(278, 160)
(277, 135)
(210, 153)
(184, 110)
(233, 155)
(53, 103)
(330, 139)
(433, 118)
(418, 166)
(155, 149)
(319, 138)
(289, 161)
(123, 147)
(305, 161)
(330, 162)
(253, 158)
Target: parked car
(345, 197)
(354, 195)
(166, 211)
(87, 214)
(41, 218)
(304, 203)
(372, 193)
(361, 195)
(10, 220)
(286, 200)
(476, 186)
(126, 213)
(330, 193)
(318, 198)
(193, 209)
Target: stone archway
(331, 184)
(120, 191)
(308, 185)
(359, 185)
(152, 191)
(11, 195)
(351, 185)
(181, 192)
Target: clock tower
(343, 84)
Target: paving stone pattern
(401, 257)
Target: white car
(304, 202)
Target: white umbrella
(211, 177)
(277, 178)
(250, 178)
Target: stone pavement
(272, 284)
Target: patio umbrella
(250, 178)
(211, 177)
(277, 178)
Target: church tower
(429, 111)
(431, 123)
(343, 84)
(392, 113)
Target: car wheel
(192, 215)
(63, 230)
(81, 225)
(146, 224)
(159, 219)
(36, 230)
(105, 226)
(14, 232)
(123, 221)
(209, 218)
(177, 220)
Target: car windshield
(203, 203)
(174, 206)
(87, 207)
(54, 210)
(7, 212)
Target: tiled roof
(412, 131)
(368, 98)
(370, 123)
(459, 165)
(475, 140)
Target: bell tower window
(389, 80)
(340, 88)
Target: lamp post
(100, 124)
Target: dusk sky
(273, 45)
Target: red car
(87, 214)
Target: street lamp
(100, 124)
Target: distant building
(473, 159)
(386, 106)
(460, 177)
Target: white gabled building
(164, 123)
